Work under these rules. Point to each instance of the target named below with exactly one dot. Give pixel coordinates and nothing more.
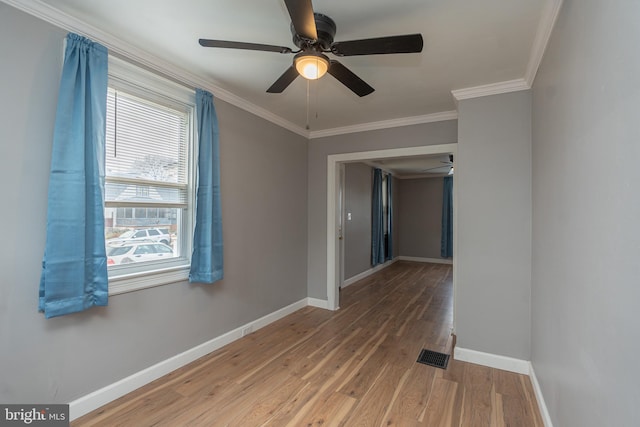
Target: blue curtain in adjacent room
(207, 258)
(446, 241)
(377, 220)
(74, 267)
(389, 219)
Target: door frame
(334, 165)
(341, 199)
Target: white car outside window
(125, 253)
(154, 234)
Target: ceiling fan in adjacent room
(447, 167)
(313, 34)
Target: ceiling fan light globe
(311, 67)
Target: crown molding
(490, 89)
(545, 28)
(125, 50)
(385, 124)
(543, 34)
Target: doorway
(335, 164)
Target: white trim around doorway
(333, 182)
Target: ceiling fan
(438, 169)
(313, 34)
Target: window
(149, 178)
(386, 225)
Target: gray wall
(408, 136)
(420, 213)
(357, 231)
(586, 207)
(264, 196)
(493, 173)
(395, 216)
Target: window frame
(152, 87)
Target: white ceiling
(467, 43)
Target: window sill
(136, 281)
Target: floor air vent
(433, 358)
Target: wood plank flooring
(353, 367)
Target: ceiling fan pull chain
(316, 100)
(308, 84)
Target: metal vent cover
(433, 358)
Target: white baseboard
(369, 272)
(320, 303)
(98, 398)
(544, 411)
(492, 360)
(507, 364)
(429, 260)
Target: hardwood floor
(353, 367)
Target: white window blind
(146, 152)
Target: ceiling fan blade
(410, 43)
(241, 45)
(350, 80)
(301, 12)
(284, 80)
(434, 168)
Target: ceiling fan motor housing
(326, 30)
